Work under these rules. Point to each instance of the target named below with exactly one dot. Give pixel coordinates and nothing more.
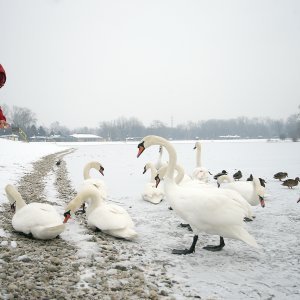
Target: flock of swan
(205, 207)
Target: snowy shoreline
(87, 265)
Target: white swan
(252, 191)
(110, 218)
(200, 173)
(152, 193)
(205, 210)
(39, 219)
(235, 196)
(98, 183)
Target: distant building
(229, 137)
(86, 137)
(12, 137)
(37, 138)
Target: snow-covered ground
(236, 272)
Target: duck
(280, 175)
(39, 220)
(109, 218)
(290, 183)
(200, 173)
(261, 180)
(206, 210)
(238, 175)
(223, 172)
(252, 190)
(152, 193)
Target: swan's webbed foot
(215, 248)
(170, 208)
(188, 226)
(187, 251)
(246, 219)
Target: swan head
(96, 165)
(67, 216)
(146, 167)
(262, 201)
(71, 208)
(141, 147)
(197, 145)
(148, 141)
(157, 180)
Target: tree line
(123, 128)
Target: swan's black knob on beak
(67, 216)
(157, 180)
(141, 148)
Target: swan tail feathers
(127, 233)
(249, 239)
(49, 232)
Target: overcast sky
(81, 62)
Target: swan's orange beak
(141, 149)
(262, 201)
(67, 216)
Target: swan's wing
(208, 207)
(109, 217)
(153, 194)
(201, 174)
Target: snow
(236, 272)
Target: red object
(2, 76)
(2, 117)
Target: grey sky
(82, 62)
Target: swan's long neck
(87, 193)
(14, 196)
(260, 190)
(88, 167)
(223, 178)
(172, 155)
(180, 172)
(198, 155)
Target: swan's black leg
(216, 248)
(246, 219)
(188, 226)
(187, 251)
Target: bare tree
(22, 117)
